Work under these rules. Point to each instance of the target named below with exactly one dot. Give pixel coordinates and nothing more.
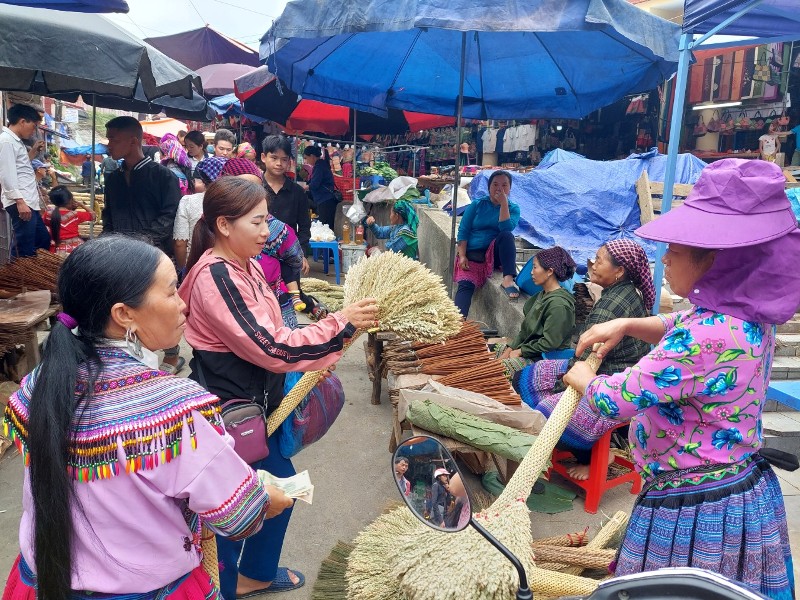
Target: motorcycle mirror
(430, 483)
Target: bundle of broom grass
(412, 302)
(397, 557)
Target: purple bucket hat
(735, 203)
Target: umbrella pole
(92, 174)
(676, 123)
(355, 152)
(457, 182)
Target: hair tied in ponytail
(67, 321)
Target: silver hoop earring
(133, 343)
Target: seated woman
(401, 233)
(485, 239)
(548, 317)
(621, 268)
(64, 219)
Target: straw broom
(394, 557)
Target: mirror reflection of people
(400, 469)
(463, 506)
(696, 399)
(401, 233)
(441, 479)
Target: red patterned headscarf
(631, 255)
(241, 166)
(559, 260)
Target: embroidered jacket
(149, 456)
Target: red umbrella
(264, 96)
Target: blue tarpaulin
(580, 204)
(556, 156)
(78, 150)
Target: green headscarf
(409, 230)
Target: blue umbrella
(481, 59)
(523, 59)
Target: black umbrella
(49, 52)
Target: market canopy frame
(765, 20)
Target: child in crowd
(63, 220)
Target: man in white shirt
(20, 191)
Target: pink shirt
(696, 399)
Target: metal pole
(457, 182)
(92, 174)
(355, 152)
(676, 122)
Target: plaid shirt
(620, 300)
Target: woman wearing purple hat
(710, 500)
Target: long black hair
(61, 197)
(96, 276)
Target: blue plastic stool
(325, 248)
(559, 354)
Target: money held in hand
(297, 486)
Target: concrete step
(792, 326)
(787, 344)
(782, 431)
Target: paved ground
(351, 471)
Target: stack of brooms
(329, 294)
(30, 273)
(397, 557)
(412, 302)
(462, 361)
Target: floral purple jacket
(696, 398)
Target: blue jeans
(505, 255)
(29, 235)
(257, 556)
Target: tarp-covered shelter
(202, 47)
(85, 6)
(579, 204)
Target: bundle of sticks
(467, 349)
(488, 379)
(30, 273)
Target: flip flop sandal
(281, 583)
(511, 291)
(173, 369)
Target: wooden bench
(651, 195)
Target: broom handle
(520, 485)
(300, 390)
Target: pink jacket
(230, 309)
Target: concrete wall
(490, 305)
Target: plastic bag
(313, 416)
(320, 232)
(356, 213)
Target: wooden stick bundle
(488, 379)
(30, 273)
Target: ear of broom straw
(208, 543)
(520, 485)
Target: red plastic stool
(598, 482)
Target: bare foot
(578, 472)
(581, 472)
(246, 585)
